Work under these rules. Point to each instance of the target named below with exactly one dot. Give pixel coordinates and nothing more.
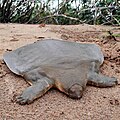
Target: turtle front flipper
(95, 78)
(35, 91)
(100, 80)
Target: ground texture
(96, 103)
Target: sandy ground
(96, 103)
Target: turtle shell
(52, 54)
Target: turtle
(53, 63)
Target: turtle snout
(75, 91)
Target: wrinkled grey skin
(68, 66)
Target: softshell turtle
(68, 66)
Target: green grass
(116, 35)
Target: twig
(111, 34)
(113, 17)
(61, 15)
(106, 20)
(100, 8)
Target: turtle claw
(26, 97)
(22, 100)
(112, 81)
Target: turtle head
(75, 91)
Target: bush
(34, 11)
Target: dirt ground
(96, 103)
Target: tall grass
(83, 11)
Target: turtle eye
(75, 91)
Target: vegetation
(105, 12)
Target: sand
(96, 103)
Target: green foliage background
(106, 12)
